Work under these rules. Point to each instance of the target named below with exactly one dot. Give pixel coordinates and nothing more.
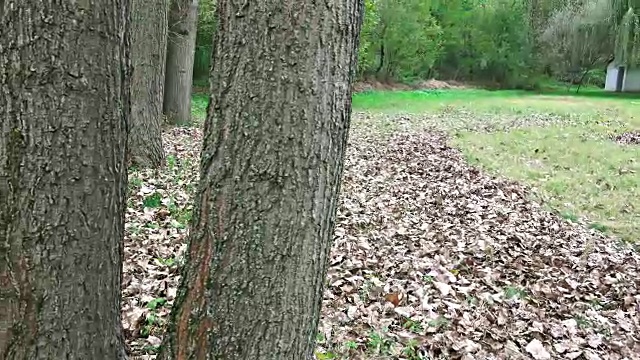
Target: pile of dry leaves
(628, 138)
(432, 259)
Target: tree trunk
(181, 48)
(148, 51)
(275, 138)
(64, 105)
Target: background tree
(407, 40)
(204, 40)
(275, 137)
(500, 43)
(148, 52)
(181, 44)
(581, 35)
(64, 107)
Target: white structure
(621, 78)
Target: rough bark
(148, 56)
(64, 105)
(181, 47)
(273, 154)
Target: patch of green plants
(410, 350)
(569, 216)
(171, 161)
(325, 355)
(135, 229)
(166, 262)
(151, 322)
(351, 345)
(428, 279)
(583, 322)
(599, 227)
(471, 300)
(377, 343)
(181, 216)
(152, 225)
(439, 323)
(153, 200)
(199, 103)
(135, 181)
(514, 292)
(156, 303)
(413, 326)
(150, 349)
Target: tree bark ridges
(275, 136)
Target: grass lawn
(556, 141)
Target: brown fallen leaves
(628, 138)
(432, 259)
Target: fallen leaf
(537, 350)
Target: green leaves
(407, 40)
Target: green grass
(577, 170)
(199, 103)
(555, 100)
(574, 166)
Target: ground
(472, 224)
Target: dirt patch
(375, 85)
(432, 84)
(628, 138)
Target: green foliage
(351, 345)
(156, 303)
(474, 40)
(204, 39)
(513, 292)
(413, 326)
(378, 343)
(410, 350)
(153, 200)
(400, 39)
(628, 37)
(325, 355)
(502, 43)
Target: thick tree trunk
(148, 52)
(181, 47)
(64, 107)
(275, 138)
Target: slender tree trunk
(148, 52)
(181, 47)
(64, 105)
(272, 161)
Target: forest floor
(471, 225)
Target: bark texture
(272, 160)
(148, 56)
(64, 105)
(181, 47)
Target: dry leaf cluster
(432, 259)
(628, 138)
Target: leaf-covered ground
(432, 259)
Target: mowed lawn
(558, 142)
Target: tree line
(85, 87)
(505, 43)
